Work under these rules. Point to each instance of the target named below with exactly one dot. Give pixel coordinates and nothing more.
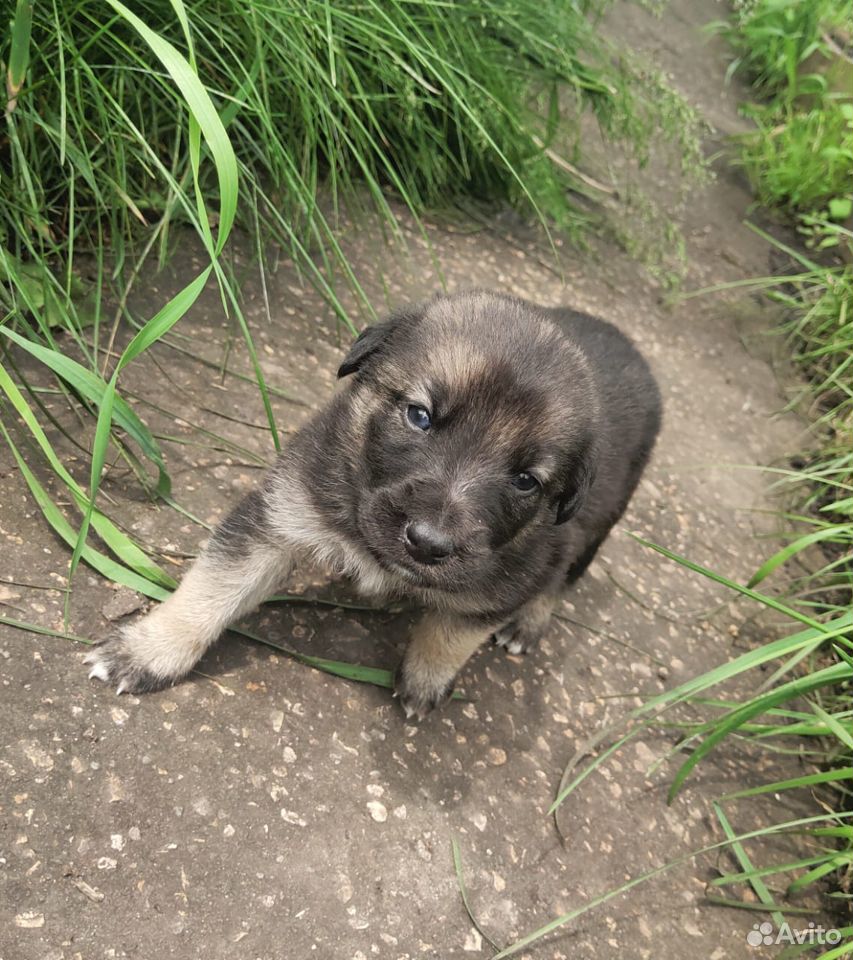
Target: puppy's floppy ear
(580, 477)
(367, 343)
(373, 340)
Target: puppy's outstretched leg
(439, 646)
(527, 625)
(240, 566)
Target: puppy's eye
(418, 417)
(525, 482)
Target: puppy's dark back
(621, 371)
(630, 406)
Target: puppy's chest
(346, 560)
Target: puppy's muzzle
(427, 543)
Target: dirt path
(268, 811)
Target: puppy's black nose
(426, 543)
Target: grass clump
(820, 487)
(802, 160)
(800, 156)
(773, 39)
(434, 100)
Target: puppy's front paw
(529, 622)
(517, 638)
(113, 662)
(131, 660)
(419, 692)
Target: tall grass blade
(755, 880)
(563, 919)
(19, 52)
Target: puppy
(478, 454)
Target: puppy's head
(476, 425)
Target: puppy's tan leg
(439, 646)
(527, 625)
(238, 569)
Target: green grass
(804, 706)
(817, 488)
(773, 39)
(801, 160)
(436, 100)
(819, 493)
(124, 129)
(800, 157)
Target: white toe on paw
(514, 646)
(503, 637)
